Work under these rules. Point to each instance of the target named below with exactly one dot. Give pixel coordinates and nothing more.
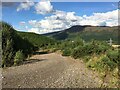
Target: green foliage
(93, 47)
(7, 45)
(19, 57)
(78, 52)
(66, 52)
(87, 33)
(88, 48)
(105, 64)
(24, 45)
(37, 40)
(68, 46)
(113, 55)
(106, 61)
(13, 41)
(86, 59)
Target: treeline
(37, 40)
(16, 46)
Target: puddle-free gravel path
(50, 71)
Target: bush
(78, 52)
(88, 48)
(7, 44)
(66, 52)
(113, 55)
(7, 58)
(19, 57)
(110, 64)
(105, 64)
(86, 59)
(71, 43)
(11, 43)
(96, 47)
(101, 49)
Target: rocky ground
(50, 71)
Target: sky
(45, 16)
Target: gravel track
(50, 71)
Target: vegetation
(39, 41)
(19, 57)
(97, 55)
(13, 42)
(79, 44)
(87, 33)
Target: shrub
(86, 59)
(105, 64)
(101, 49)
(19, 57)
(113, 55)
(7, 44)
(12, 42)
(66, 52)
(97, 47)
(78, 52)
(7, 58)
(76, 42)
(88, 48)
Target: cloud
(39, 31)
(35, 30)
(25, 5)
(32, 22)
(22, 23)
(43, 7)
(61, 20)
(99, 19)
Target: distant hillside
(36, 39)
(87, 33)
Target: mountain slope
(87, 33)
(14, 41)
(36, 39)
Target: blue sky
(14, 17)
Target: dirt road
(50, 71)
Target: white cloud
(35, 30)
(22, 23)
(71, 16)
(32, 22)
(97, 19)
(62, 20)
(39, 31)
(43, 7)
(25, 5)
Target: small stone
(18, 85)
(3, 77)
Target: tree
(19, 57)
(7, 54)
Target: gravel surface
(50, 71)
